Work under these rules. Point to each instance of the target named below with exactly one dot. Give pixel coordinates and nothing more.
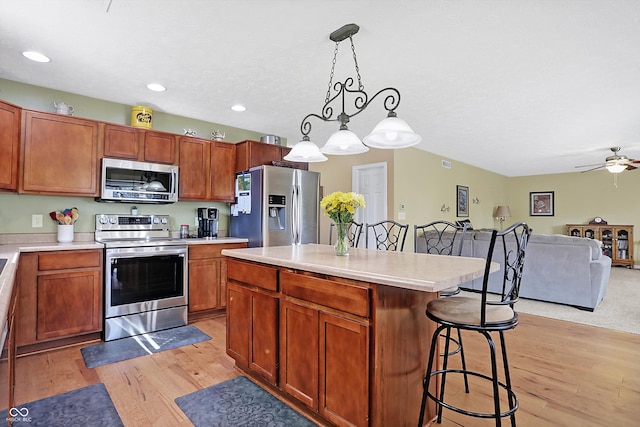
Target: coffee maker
(207, 222)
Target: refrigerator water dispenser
(277, 212)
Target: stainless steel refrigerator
(276, 206)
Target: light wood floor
(565, 374)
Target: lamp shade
(503, 212)
(344, 142)
(305, 151)
(392, 132)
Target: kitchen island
(343, 338)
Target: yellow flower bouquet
(341, 207)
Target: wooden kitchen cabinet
(223, 157)
(207, 277)
(254, 153)
(59, 155)
(60, 295)
(206, 170)
(252, 309)
(159, 147)
(121, 142)
(321, 321)
(10, 119)
(131, 143)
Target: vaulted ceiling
(520, 87)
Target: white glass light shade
(344, 142)
(305, 151)
(616, 167)
(391, 133)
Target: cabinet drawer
(212, 251)
(351, 299)
(253, 274)
(72, 259)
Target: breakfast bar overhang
(345, 338)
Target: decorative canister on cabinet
(141, 116)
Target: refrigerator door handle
(295, 238)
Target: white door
(370, 181)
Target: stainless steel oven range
(145, 280)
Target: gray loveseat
(558, 268)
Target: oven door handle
(144, 252)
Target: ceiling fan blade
(589, 166)
(592, 169)
(631, 167)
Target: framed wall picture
(541, 203)
(462, 201)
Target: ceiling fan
(614, 164)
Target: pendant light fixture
(392, 132)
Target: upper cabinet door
(223, 158)
(59, 155)
(10, 116)
(194, 180)
(160, 147)
(121, 142)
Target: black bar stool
(492, 315)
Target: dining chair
(486, 315)
(388, 235)
(353, 234)
(444, 238)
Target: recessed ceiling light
(156, 87)
(238, 107)
(35, 56)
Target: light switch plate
(36, 221)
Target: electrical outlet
(402, 215)
(36, 221)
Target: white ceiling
(519, 87)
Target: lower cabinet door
(299, 354)
(238, 324)
(344, 370)
(264, 336)
(69, 304)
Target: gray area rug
(141, 345)
(618, 310)
(87, 406)
(238, 402)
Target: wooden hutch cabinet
(617, 240)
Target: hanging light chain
(355, 60)
(333, 68)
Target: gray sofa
(558, 268)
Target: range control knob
(156, 220)
(164, 220)
(113, 219)
(103, 220)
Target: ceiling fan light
(391, 133)
(305, 151)
(344, 142)
(616, 167)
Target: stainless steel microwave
(138, 182)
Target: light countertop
(408, 270)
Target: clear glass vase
(342, 240)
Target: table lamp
(502, 213)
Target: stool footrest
(511, 395)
